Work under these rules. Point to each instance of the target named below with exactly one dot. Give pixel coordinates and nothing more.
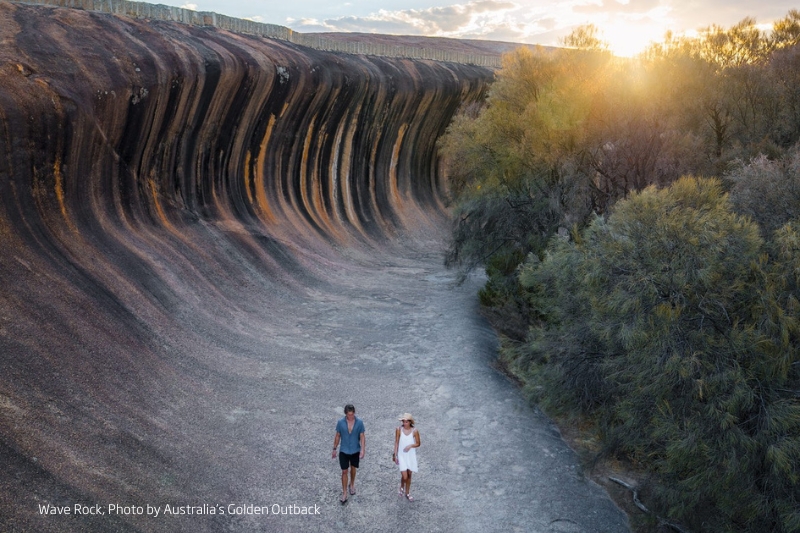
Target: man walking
(350, 433)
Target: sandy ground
(397, 336)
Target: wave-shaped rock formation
(161, 185)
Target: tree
(768, 190)
(786, 31)
(744, 43)
(586, 37)
(512, 163)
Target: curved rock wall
(166, 121)
(160, 186)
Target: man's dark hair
(349, 408)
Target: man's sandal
(352, 491)
(343, 499)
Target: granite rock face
(168, 195)
(160, 123)
(209, 243)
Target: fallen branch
(642, 506)
(635, 493)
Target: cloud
(446, 21)
(193, 7)
(627, 25)
(617, 6)
(691, 15)
(545, 22)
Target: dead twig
(644, 508)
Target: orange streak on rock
(260, 184)
(248, 177)
(162, 216)
(59, 190)
(344, 176)
(393, 189)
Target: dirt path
(396, 337)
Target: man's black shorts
(346, 460)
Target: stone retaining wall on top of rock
(206, 18)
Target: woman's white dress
(407, 460)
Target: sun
(630, 40)
(629, 37)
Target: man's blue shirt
(350, 442)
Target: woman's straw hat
(406, 416)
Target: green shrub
(670, 323)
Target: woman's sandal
(410, 497)
(400, 491)
(343, 501)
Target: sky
(626, 25)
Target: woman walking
(406, 440)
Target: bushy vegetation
(681, 342)
(768, 190)
(662, 305)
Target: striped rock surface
(209, 243)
